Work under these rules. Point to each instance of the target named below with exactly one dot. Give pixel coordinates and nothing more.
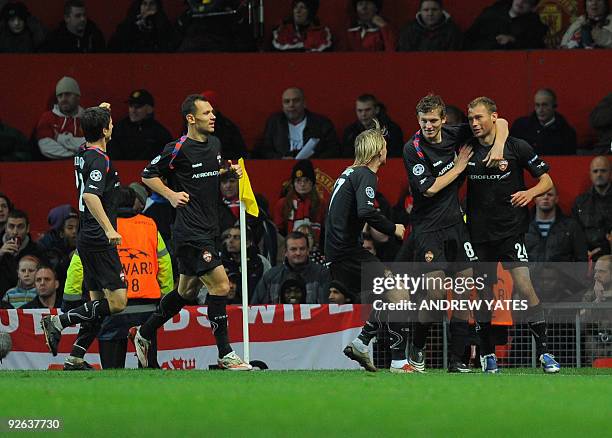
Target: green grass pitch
(136, 403)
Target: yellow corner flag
(246, 192)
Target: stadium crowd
(284, 244)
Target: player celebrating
(96, 181)
(350, 207)
(498, 218)
(434, 161)
(192, 166)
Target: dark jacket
(13, 144)
(276, 137)
(37, 304)
(559, 138)
(600, 120)
(138, 141)
(414, 36)
(255, 269)
(565, 241)
(63, 41)
(395, 138)
(154, 34)
(315, 276)
(528, 29)
(27, 41)
(594, 214)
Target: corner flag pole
(248, 204)
(245, 287)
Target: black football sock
(87, 334)
(398, 337)
(371, 327)
(483, 329)
(88, 312)
(169, 305)
(537, 326)
(217, 316)
(459, 331)
(421, 331)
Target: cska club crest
(503, 165)
(207, 256)
(429, 256)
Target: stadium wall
(37, 187)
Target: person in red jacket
(370, 32)
(302, 204)
(302, 31)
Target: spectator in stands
(25, 291)
(142, 195)
(20, 32)
(593, 208)
(545, 129)
(265, 233)
(609, 237)
(47, 295)
(593, 30)
(13, 144)
(368, 108)
(315, 276)
(339, 294)
(302, 31)
(368, 243)
(145, 29)
(76, 34)
(315, 255)
(600, 120)
(552, 236)
(598, 343)
(16, 243)
(369, 31)
(257, 265)
(232, 143)
(215, 26)
(295, 128)
(553, 285)
(59, 241)
(454, 116)
(507, 24)
(5, 207)
(228, 185)
(139, 136)
(433, 29)
(302, 204)
(292, 290)
(58, 132)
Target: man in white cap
(58, 132)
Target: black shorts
(195, 261)
(448, 249)
(102, 269)
(349, 272)
(511, 251)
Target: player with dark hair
(352, 206)
(96, 182)
(434, 159)
(497, 217)
(192, 166)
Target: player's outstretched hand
(399, 231)
(105, 105)
(114, 237)
(521, 199)
(179, 199)
(461, 160)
